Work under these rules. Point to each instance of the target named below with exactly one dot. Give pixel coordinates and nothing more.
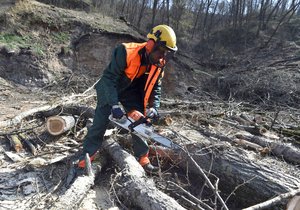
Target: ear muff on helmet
(164, 36)
(150, 45)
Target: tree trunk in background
(154, 10)
(178, 9)
(209, 27)
(203, 16)
(141, 14)
(97, 3)
(209, 2)
(283, 7)
(242, 12)
(124, 6)
(168, 12)
(266, 6)
(236, 13)
(291, 11)
(133, 11)
(294, 8)
(260, 17)
(112, 5)
(163, 9)
(197, 19)
(276, 8)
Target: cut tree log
(57, 125)
(136, 187)
(28, 144)
(262, 179)
(73, 197)
(280, 150)
(18, 119)
(292, 205)
(65, 106)
(236, 167)
(15, 143)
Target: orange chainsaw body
(136, 115)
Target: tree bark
(135, 185)
(73, 197)
(50, 110)
(278, 199)
(235, 167)
(280, 150)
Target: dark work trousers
(94, 137)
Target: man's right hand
(117, 112)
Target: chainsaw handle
(138, 122)
(136, 118)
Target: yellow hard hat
(164, 35)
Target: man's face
(159, 53)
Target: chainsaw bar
(145, 131)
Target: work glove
(117, 112)
(152, 113)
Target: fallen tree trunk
(136, 187)
(278, 199)
(73, 197)
(234, 167)
(280, 150)
(50, 110)
(18, 119)
(258, 176)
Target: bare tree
(203, 17)
(141, 13)
(178, 9)
(275, 8)
(97, 3)
(209, 2)
(261, 17)
(124, 6)
(168, 12)
(212, 18)
(291, 11)
(132, 10)
(199, 9)
(154, 10)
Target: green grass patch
(38, 49)
(15, 42)
(61, 37)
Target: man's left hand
(152, 113)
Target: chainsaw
(137, 123)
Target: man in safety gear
(133, 79)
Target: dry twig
(273, 201)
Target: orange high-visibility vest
(134, 70)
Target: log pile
(231, 157)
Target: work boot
(145, 163)
(159, 151)
(81, 163)
(149, 168)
